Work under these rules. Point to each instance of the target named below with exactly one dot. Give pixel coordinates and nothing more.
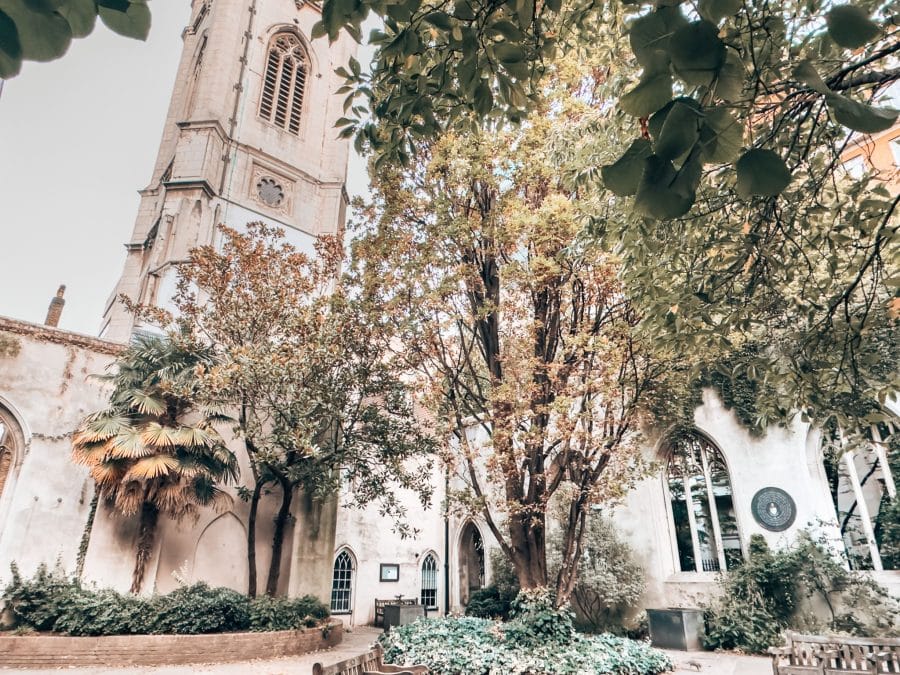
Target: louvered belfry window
(285, 82)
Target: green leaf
(483, 98)
(665, 193)
(716, 10)
(730, 80)
(806, 73)
(10, 49)
(43, 35)
(623, 176)
(762, 173)
(652, 92)
(318, 30)
(463, 10)
(439, 20)
(860, 116)
(81, 15)
(134, 22)
(850, 26)
(721, 137)
(697, 52)
(509, 53)
(650, 34)
(679, 132)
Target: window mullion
(881, 452)
(713, 510)
(863, 509)
(692, 521)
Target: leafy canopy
(709, 73)
(42, 30)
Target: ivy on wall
(10, 346)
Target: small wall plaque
(774, 509)
(389, 572)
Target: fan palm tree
(153, 450)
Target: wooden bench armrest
(779, 651)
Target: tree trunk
(528, 543)
(251, 540)
(146, 539)
(287, 495)
(86, 534)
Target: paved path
(361, 638)
(712, 663)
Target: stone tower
(249, 136)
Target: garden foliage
(51, 601)
(772, 592)
(538, 639)
(495, 601)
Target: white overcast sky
(78, 139)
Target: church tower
(249, 136)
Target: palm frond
(129, 443)
(160, 436)
(148, 468)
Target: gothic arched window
(864, 494)
(702, 506)
(342, 583)
(429, 582)
(284, 82)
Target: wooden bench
(370, 663)
(379, 607)
(835, 655)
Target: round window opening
(270, 192)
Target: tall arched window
(429, 582)
(702, 506)
(284, 82)
(342, 583)
(10, 437)
(864, 494)
(471, 562)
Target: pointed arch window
(861, 480)
(284, 82)
(705, 524)
(9, 446)
(342, 583)
(429, 582)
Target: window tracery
(284, 82)
(864, 493)
(702, 502)
(342, 583)
(429, 582)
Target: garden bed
(40, 651)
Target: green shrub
(268, 613)
(610, 582)
(50, 601)
(495, 601)
(537, 640)
(772, 592)
(201, 609)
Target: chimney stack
(56, 308)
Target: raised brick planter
(43, 651)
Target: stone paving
(361, 638)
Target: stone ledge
(43, 333)
(36, 651)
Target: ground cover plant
(52, 601)
(538, 639)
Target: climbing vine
(9, 346)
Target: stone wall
(156, 650)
